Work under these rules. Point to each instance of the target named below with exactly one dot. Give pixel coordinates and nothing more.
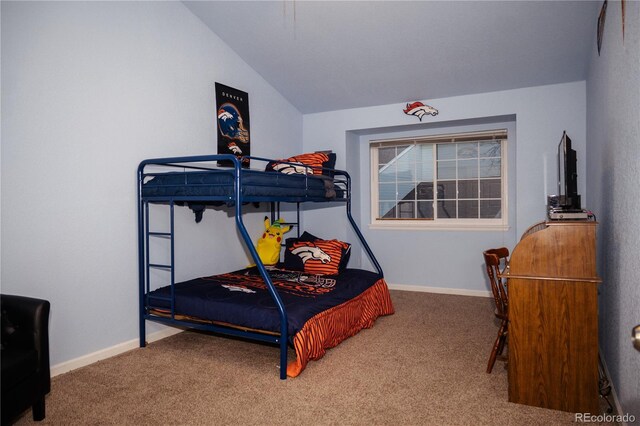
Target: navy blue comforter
(217, 183)
(241, 298)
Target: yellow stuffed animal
(268, 246)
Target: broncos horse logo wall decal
(420, 110)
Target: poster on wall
(233, 123)
(601, 18)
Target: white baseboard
(441, 290)
(85, 360)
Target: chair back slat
(496, 260)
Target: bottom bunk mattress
(322, 310)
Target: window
(447, 180)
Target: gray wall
(613, 182)
(89, 89)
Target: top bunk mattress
(255, 184)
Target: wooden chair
(497, 260)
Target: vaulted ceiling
(331, 55)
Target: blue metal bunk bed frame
(237, 199)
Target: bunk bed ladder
(275, 215)
(160, 266)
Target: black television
(568, 197)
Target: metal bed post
(274, 211)
(141, 271)
(147, 269)
(283, 341)
(357, 230)
(173, 269)
(298, 218)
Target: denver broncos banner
(232, 116)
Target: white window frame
(438, 223)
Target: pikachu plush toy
(268, 246)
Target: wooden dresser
(553, 317)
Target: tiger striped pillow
(320, 257)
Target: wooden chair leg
(503, 338)
(498, 345)
(494, 353)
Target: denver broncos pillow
(346, 252)
(322, 257)
(305, 164)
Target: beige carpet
(424, 365)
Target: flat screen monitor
(567, 175)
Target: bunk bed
(310, 312)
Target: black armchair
(26, 378)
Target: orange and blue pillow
(312, 163)
(315, 256)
